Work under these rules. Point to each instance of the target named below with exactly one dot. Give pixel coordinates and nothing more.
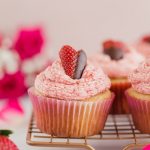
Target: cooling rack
(117, 127)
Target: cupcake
(138, 96)
(143, 46)
(117, 60)
(71, 98)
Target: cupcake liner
(120, 105)
(69, 118)
(140, 110)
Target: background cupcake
(71, 98)
(117, 60)
(143, 46)
(139, 96)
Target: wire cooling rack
(117, 127)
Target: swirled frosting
(117, 68)
(143, 48)
(53, 82)
(140, 78)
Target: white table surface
(20, 131)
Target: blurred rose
(1, 39)
(146, 147)
(9, 62)
(12, 85)
(29, 42)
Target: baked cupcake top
(143, 46)
(70, 77)
(140, 78)
(117, 59)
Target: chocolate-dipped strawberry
(73, 62)
(115, 49)
(146, 39)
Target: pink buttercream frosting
(117, 68)
(143, 48)
(53, 82)
(140, 78)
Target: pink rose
(1, 39)
(29, 42)
(146, 147)
(12, 86)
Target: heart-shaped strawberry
(73, 61)
(115, 49)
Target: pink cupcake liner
(140, 110)
(120, 105)
(69, 118)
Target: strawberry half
(114, 44)
(73, 61)
(146, 39)
(5, 142)
(115, 49)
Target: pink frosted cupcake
(143, 46)
(139, 96)
(71, 98)
(117, 60)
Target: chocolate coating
(81, 64)
(114, 53)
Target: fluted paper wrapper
(69, 118)
(120, 105)
(140, 110)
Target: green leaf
(5, 132)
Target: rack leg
(89, 147)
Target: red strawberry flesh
(68, 57)
(146, 39)
(5, 142)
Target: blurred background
(81, 23)
(47, 25)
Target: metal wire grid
(117, 127)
